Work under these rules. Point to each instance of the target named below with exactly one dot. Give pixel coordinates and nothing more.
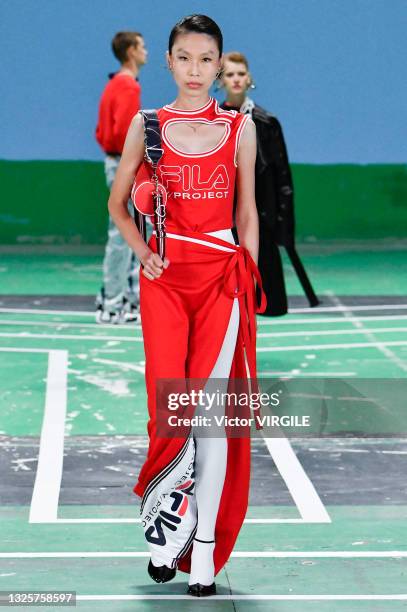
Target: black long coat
(275, 206)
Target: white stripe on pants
(211, 452)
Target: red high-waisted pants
(185, 315)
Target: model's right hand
(154, 265)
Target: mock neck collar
(194, 111)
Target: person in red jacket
(118, 299)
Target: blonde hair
(237, 57)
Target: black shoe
(201, 590)
(108, 310)
(198, 589)
(161, 573)
(130, 312)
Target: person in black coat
(274, 186)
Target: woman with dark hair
(274, 185)
(198, 310)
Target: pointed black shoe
(162, 573)
(202, 590)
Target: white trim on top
(182, 111)
(223, 111)
(198, 120)
(238, 135)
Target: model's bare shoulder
(249, 130)
(133, 150)
(247, 145)
(136, 127)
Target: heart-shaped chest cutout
(195, 136)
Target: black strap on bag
(152, 155)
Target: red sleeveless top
(200, 186)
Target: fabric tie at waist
(247, 273)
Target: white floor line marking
(84, 313)
(341, 308)
(135, 338)
(232, 597)
(369, 333)
(339, 450)
(123, 365)
(6, 349)
(297, 374)
(39, 311)
(44, 502)
(303, 492)
(274, 321)
(99, 337)
(28, 335)
(275, 554)
(331, 332)
(61, 324)
(344, 345)
(129, 520)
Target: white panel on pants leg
(211, 452)
(223, 364)
(210, 464)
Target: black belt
(113, 153)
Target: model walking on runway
(197, 307)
